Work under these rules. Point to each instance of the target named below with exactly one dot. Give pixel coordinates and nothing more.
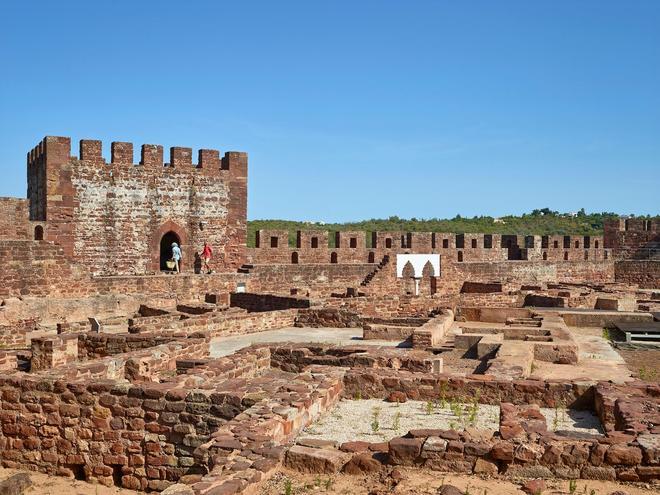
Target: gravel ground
(644, 363)
(356, 420)
(352, 420)
(572, 420)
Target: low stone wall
(525, 448)
(297, 357)
(375, 331)
(97, 345)
(15, 335)
(492, 315)
(319, 280)
(389, 306)
(216, 323)
(432, 333)
(266, 302)
(53, 352)
(328, 318)
(603, 319)
(481, 287)
(544, 301)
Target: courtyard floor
(223, 346)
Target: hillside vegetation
(538, 222)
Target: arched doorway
(166, 249)
(38, 233)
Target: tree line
(538, 222)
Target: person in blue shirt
(176, 256)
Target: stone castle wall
(312, 247)
(111, 216)
(633, 238)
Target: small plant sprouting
(375, 423)
(474, 411)
(288, 487)
(555, 419)
(452, 425)
(474, 408)
(429, 407)
(443, 395)
(328, 484)
(572, 487)
(467, 490)
(396, 422)
(358, 395)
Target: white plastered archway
(418, 261)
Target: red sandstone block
(405, 451)
(623, 454)
(152, 155)
(180, 157)
(122, 152)
(90, 150)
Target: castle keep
(114, 370)
(113, 217)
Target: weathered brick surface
(646, 274)
(14, 220)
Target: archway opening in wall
(166, 249)
(294, 258)
(38, 233)
(333, 257)
(372, 257)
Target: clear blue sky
(355, 109)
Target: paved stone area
(223, 346)
(597, 361)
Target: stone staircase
(383, 263)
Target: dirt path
(419, 482)
(58, 485)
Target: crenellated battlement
(633, 225)
(633, 238)
(315, 246)
(209, 161)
